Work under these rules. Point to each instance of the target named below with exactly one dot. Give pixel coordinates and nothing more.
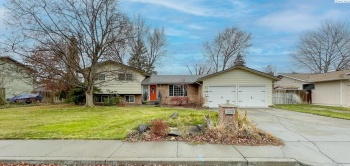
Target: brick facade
(192, 93)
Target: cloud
(3, 11)
(201, 7)
(196, 27)
(175, 32)
(183, 6)
(297, 19)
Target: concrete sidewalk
(86, 152)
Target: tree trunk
(89, 98)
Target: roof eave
(243, 68)
(170, 83)
(340, 79)
(293, 78)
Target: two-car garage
(242, 86)
(240, 95)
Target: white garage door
(251, 96)
(219, 94)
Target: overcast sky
(274, 24)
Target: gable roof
(330, 76)
(11, 60)
(171, 79)
(123, 66)
(242, 68)
(298, 76)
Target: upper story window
(177, 90)
(101, 77)
(125, 77)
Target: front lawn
(76, 122)
(329, 111)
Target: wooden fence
(291, 97)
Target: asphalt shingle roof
(171, 79)
(303, 77)
(330, 76)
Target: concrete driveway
(310, 139)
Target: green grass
(329, 111)
(76, 122)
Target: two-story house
(15, 77)
(116, 78)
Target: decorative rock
(175, 133)
(142, 128)
(201, 128)
(174, 115)
(193, 130)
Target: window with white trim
(177, 90)
(101, 77)
(101, 98)
(129, 98)
(125, 77)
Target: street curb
(159, 161)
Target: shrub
(199, 102)
(159, 128)
(77, 95)
(112, 101)
(121, 103)
(179, 100)
(2, 101)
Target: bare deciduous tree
(226, 46)
(325, 48)
(270, 69)
(156, 43)
(49, 23)
(199, 69)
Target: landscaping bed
(241, 132)
(328, 111)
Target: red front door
(153, 92)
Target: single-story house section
(171, 86)
(332, 88)
(241, 86)
(291, 81)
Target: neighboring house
(242, 86)
(116, 78)
(291, 81)
(15, 77)
(170, 86)
(331, 88)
